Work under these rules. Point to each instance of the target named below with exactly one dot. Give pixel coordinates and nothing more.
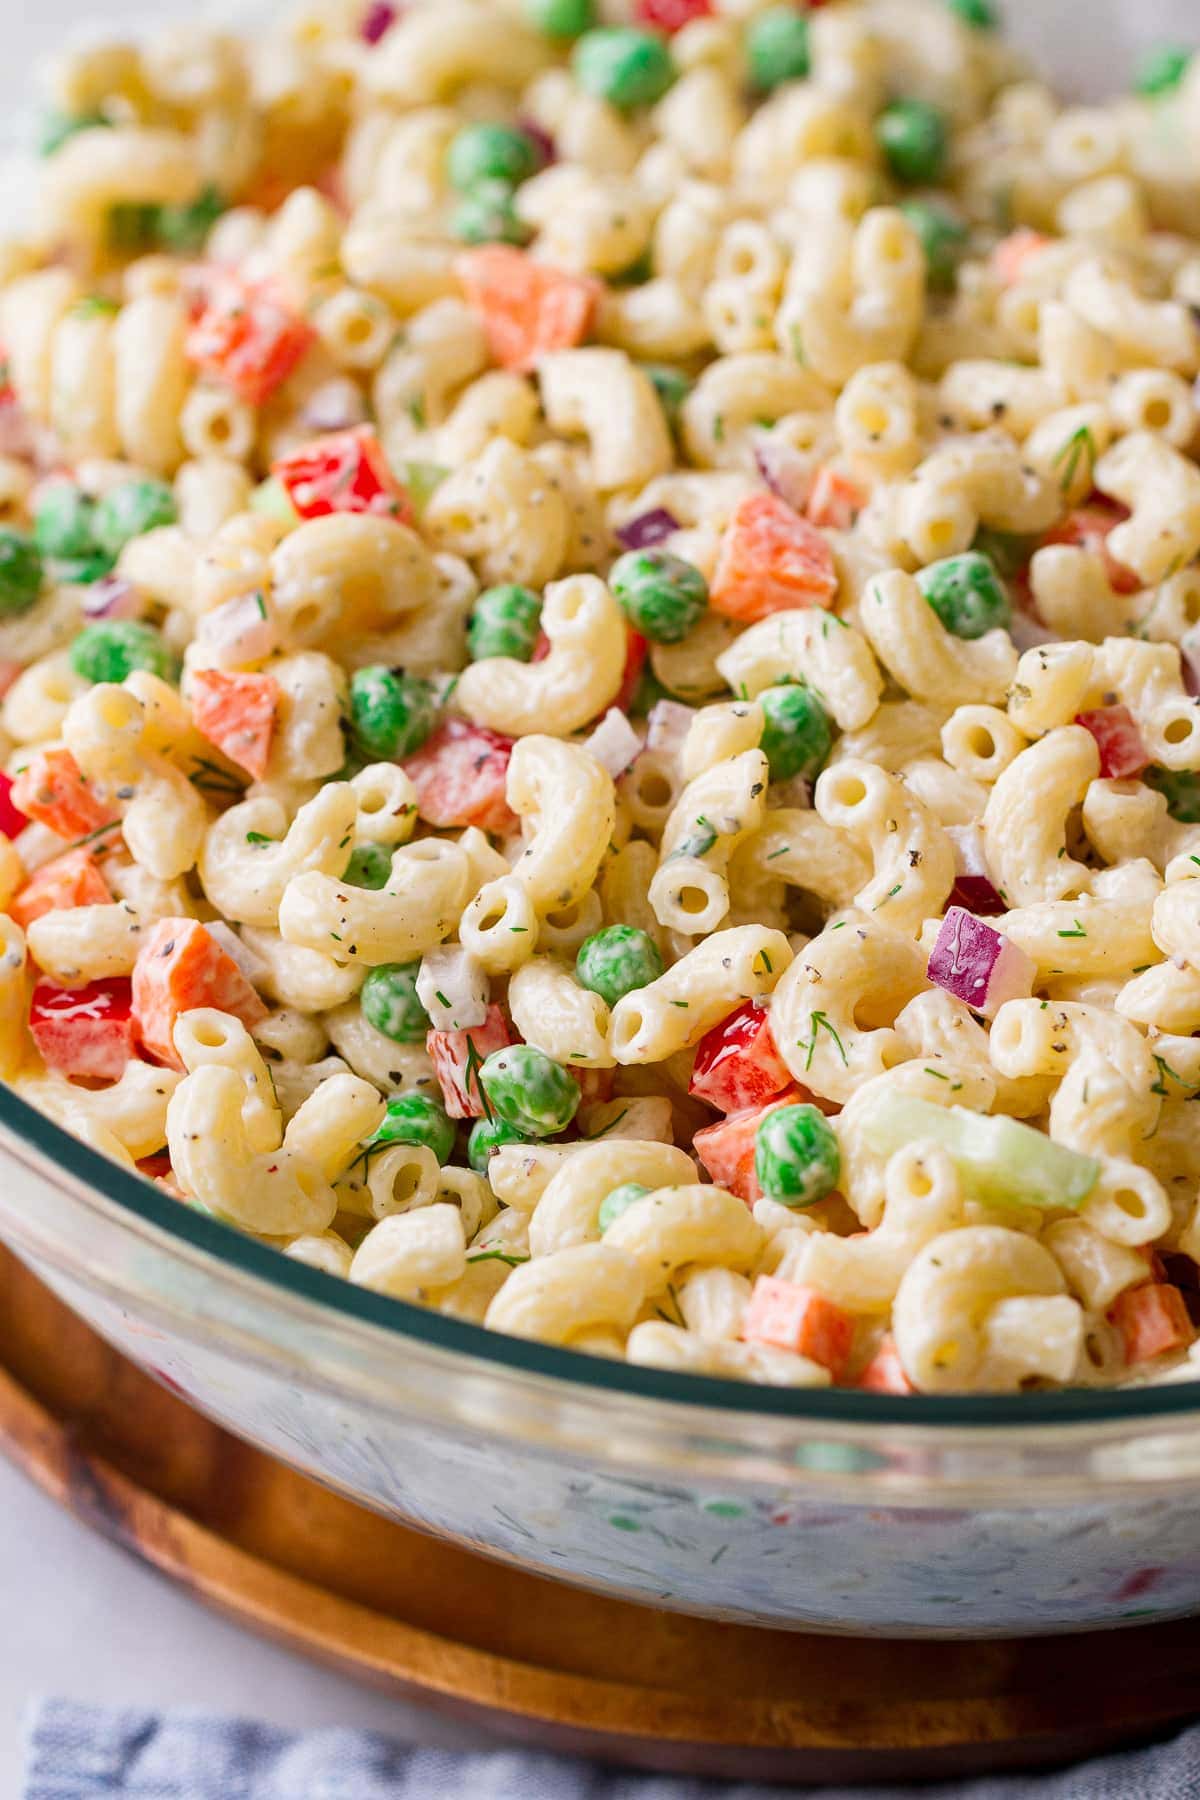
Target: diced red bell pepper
(795, 1317)
(671, 15)
(884, 1374)
(344, 472)
(86, 1031)
(237, 713)
(636, 649)
(12, 820)
(460, 774)
(1087, 528)
(68, 881)
(1151, 1319)
(770, 560)
(1014, 251)
(835, 501)
(181, 966)
(1122, 752)
(457, 1057)
(727, 1148)
(53, 789)
(246, 336)
(527, 308)
(737, 1065)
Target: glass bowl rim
(265, 1266)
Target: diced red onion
(336, 405)
(1123, 752)
(667, 725)
(112, 597)
(241, 632)
(538, 135)
(786, 471)
(973, 886)
(16, 437)
(377, 22)
(647, 529)
(978, 964)
(1027, 632)
(614, 743)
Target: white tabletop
(84, 1619)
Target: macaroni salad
(600, 640)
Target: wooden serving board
(539, 1661)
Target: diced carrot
(1151, 1319)
(1013, 252)
(457, 1057)
(237, 713)
(771, 560)
(795, 1317)
(884, 1374)
(245, 335)
(835, 501)
(68, 881)
(53, 789)
(181, 966)
(727, 1148)
(527, 307)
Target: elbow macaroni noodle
(783, 967)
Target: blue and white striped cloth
(94, 1753)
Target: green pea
(561, 18)
(388, 998)
(980, 15)
(416, 1119)
(967, 594)
(943, 239)
(1162, 70)
(487, 1135)
(185, 229)
(108, 650)
(530, 1090)
(57, 127)
(369, 866)
(619, 1200)
(20, 571)
(129, 510)
(483, 152)
(487, 216)
(1182, 790)
(80, 571)
(1007, 550)
(912, 135)
(624, 65)
(62, 521)
(797, 736)
(615, 961)
(391, 713)
(672, 387)
(777, 47)
(662, 596)
(796, 1156)
(504, 622)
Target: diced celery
(998, 1160)
(271, 497)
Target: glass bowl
(831, 1511)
